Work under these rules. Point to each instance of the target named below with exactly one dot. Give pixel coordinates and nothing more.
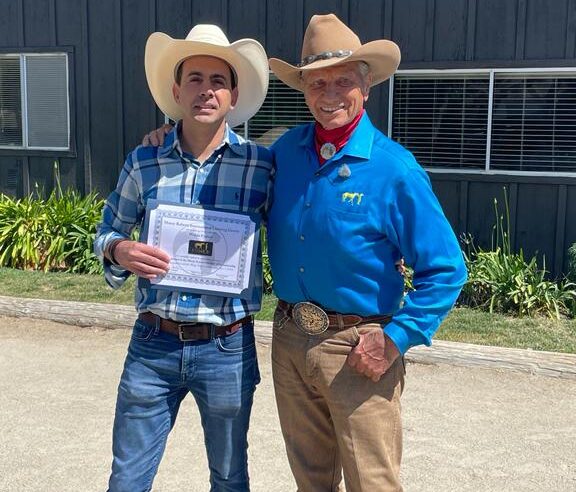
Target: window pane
(10, 102)
(47, 100)
(534, 123)
(442, 120)
(283, 109)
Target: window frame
(492, 76)
(69, 151)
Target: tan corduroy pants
(333, 418)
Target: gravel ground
(465, 429)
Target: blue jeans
(159, 371)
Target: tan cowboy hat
(327, 42)
(246, 56)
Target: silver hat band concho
(310, 318)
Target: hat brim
(382, 56)
(246, 56)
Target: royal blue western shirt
(335, 232)
(236, 177)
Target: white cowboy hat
(246, 56)
(327, 42)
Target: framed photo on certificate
(212, 251)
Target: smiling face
(335, 95)
(204, 91)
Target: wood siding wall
(112, 108)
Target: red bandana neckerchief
(338, 136)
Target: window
(34, 105)
(283, 109)
(442, 120)
(512, 121)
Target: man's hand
(141, 259)
(156, 137)
(373, 355)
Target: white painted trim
(390, 104)
(24, 99)
(491, 172)
(457, 71)
(489, 122)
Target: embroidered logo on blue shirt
(352, 198)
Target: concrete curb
(111, 316)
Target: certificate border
(153, 204)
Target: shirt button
(184, 298)
(301, 238)
(301, 269)
(308, 205)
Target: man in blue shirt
(185, 342)
(348, 204)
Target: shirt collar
(172, 142)
(359, 145)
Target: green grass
(76, 287)
(462, 325)
(537, 333)
(63, 286)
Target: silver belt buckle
(310, 318)
(181, 335)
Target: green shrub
(53, 234)
(408, 274)
(572, 263)
(22, 233)
(266, 269)
(505, 282)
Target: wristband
(110, 251)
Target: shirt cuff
(399, 336)
(114, 275)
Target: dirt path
(465, 429)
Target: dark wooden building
(485, 98)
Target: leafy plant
(266, 269)
(50, 234)
(503, 281)
(572, 263)
(408, 274)
(22, 232)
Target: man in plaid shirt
(184, 342)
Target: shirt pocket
(349, 200)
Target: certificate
(212, 251)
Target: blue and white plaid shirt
(236, 177)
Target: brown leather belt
(337, 320)
(193, 331)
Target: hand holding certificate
(212, 251)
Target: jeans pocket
(280, 319)
(142, 332)
(355, 335)
(403, 364)
(241, 341)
